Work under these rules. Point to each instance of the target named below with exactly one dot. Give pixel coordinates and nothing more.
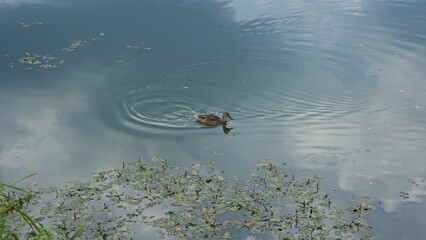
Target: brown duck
(213, 120)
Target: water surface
(333, 87)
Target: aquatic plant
(11, 202)
(194, 203)
(40, 61)
(14, 220)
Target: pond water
(332, 87)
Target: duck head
(226, 116)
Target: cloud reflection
(21, 2)
(329, 68)
(39, 143)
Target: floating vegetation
(130, 46)
(27, 25)
(81, 43)
(12, 204)
(77, 44)
(404, 195)
(45, 62)
(40, 61)
(191, 203)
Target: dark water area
(334, 88)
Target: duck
(213, 120)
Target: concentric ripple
(160, 109)
(287, 69)
(167, 106)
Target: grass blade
(16, 188)
(22, 179)
(28, 220)
(79, 230)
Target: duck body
(213, 120)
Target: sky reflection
(332, 88)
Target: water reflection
(336, 87)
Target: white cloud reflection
(39, 142)
(20, 2)
(382, 170)
(250, 10)
(389, 158)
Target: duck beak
(230, 117)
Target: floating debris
(48, 66)
(76, 44)
(218, 154)
(130, 46)
(404, 195)
(81, 43)
(26, 25)
(147, 48)
(42, 61)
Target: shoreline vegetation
(185, 202)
